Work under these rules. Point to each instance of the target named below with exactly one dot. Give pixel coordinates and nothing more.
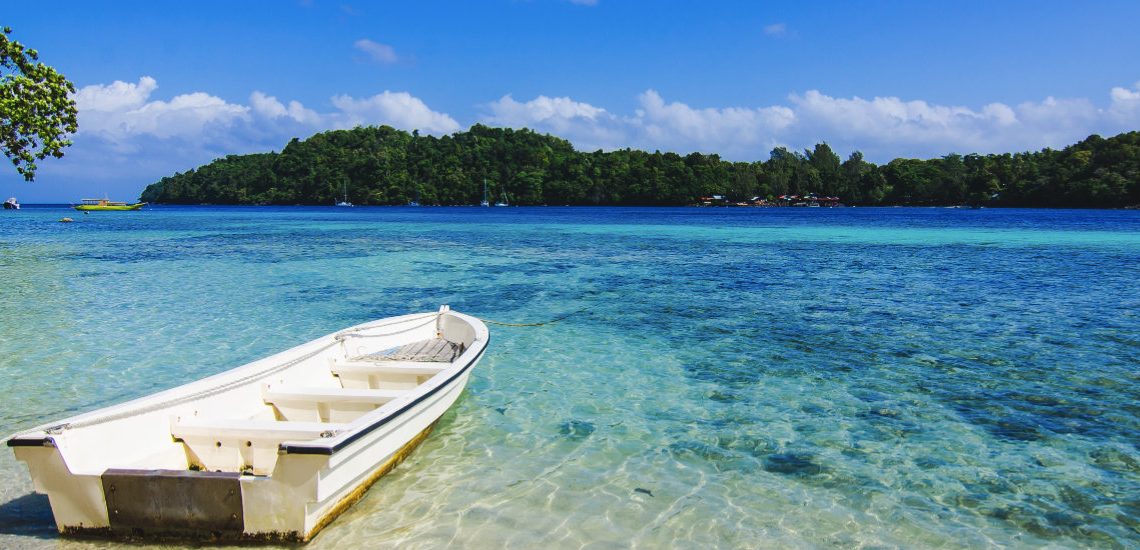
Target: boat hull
(175, 505)
(304, 487)
(97, 207)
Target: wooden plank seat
(326, 404)
(182, 428)
(280, 394)
(419, 368)
(430, 350)
(242, 445)
(398, 375)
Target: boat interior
(310, 403)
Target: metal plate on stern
(174, 504)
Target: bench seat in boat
(388, 367)
(242, 445)
(275, 394)
(399, 375)
(325, 404)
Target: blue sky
(165, 87)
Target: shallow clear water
(740, 378)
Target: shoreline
(44, 206)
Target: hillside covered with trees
(385, 166)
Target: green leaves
(382, 165)
(37, 111)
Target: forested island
(385, 166)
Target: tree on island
(383, 165)
(37, 112)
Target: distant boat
(345, 201)
(12, 204)
(484, 203)
(272, 450)
(106, 204)
(503, 200)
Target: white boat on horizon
(11, 204)
(271, 451)
(344, 203)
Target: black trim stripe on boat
(27, 442)
(303, 449)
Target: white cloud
(268, 107)
(555, 109)
(1050, 123)
(128, 138)
(891, 119)
(121, 111)
(882, 127)
(1122, 95)
(591, 127)
(380, 53)
(888, 127)
(656, 124)
(115, 96)
(398, 109)
(1000, 113)
(184, 116)
(1125, 106)
(776, 29)
(708, 129)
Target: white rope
(193, 396)
(347, 334)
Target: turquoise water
(794, 378)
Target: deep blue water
(890, 377)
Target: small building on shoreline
(808, 200)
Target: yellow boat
(106, 204)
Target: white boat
(485, 202)
(11, 204)
(345, 202)
(269, 451)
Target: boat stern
(77, 501)
(177, 505)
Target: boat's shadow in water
(28, 516)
